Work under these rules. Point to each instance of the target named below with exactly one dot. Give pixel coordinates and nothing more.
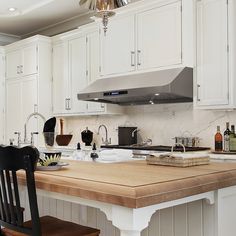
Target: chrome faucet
(134, 131)
(106, 142)
(26, 141)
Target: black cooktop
(157, 148)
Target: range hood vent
(165, 86)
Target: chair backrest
(13, 159)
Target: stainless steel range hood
(165, 86)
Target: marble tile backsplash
(159, 122)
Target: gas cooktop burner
(157, 148)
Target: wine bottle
(227, 138)
(218, 140)
(232, 139)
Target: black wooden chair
(13, 159)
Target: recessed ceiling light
(11, 9)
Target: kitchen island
(129, 193)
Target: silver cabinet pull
(139, 60)
(69, 107)
(132, 58)
(66, 104)
(198, 98)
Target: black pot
(87, 137)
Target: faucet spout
(26, 123)
(106, 142)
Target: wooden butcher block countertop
(134, 184)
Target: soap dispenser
(94, 154)
(78, 154)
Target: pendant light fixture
(103, 8)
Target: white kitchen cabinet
(30, 90)
(22, 62)
(60, 78)
(93, 68)
(215, 54)
(118, 46)
(2, 92)
(76, 64)
(159, 41)
(13, 109)
(77, 73)
(21, 100)
(148, 36)
(69, 76)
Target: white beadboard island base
(210, 213)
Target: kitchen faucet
(26, 141)
(135, 131)
(106, 142)
(25, 127)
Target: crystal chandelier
(103, 8)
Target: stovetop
(157, 148)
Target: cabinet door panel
(93, 64)
(2, 99)
(29, 99)
(13, 109)
(77, 73)
(159, 37)
(118, 46)
(13, 61)
(212, 55)
(30, 60)
(60, 78)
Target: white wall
(159, 122)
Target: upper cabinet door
(118, 47)
(93, 64)
(29, 64)
(60, 78)
(159, 37)
(77, 73)
(13, 62)
(212, 53)
(93, 56)
(22, 62)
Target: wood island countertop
(134, 184)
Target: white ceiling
(34, 15)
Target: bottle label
(226, 143)
(218, 146)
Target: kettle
(87, 137)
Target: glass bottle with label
(232, 142)
(227, 138)
(218, 140)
